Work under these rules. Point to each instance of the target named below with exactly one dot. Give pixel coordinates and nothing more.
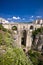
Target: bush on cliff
(14, 56)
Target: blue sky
(21, 10)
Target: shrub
(9, 31)
(1, 26)
(14, 56)
(4, 29)
(35, 32)
(34, 57)
(1, 38)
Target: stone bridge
(23, 34)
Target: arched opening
(14, 28)
(42, 47)
(31, 27)
(23, 39)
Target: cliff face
(37, 35)
(38, 42)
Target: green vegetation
(14, 56)
(5, 36)
(2, 28)
(35, 57)
(37, 31)
(10, 55)
(6, 39)
(1, 38)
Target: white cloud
(23, 19)
(6, 21)
(38, 16)
(9, 18)
(3, 20)
(16, 18)
(31, 16)
(31, 19)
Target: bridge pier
(29, 41)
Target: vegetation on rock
(35, 57)
(10, 55)
(14, 56)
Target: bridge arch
(23, 39)
(14, 27)
(31, 27)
